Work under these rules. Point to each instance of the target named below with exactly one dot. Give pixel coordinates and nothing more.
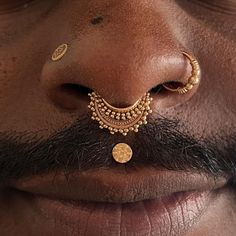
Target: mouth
(119, 201)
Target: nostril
(174, 84)
(75, 89)
(69, 96)
(161, 90)
(157, 89)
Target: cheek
(23, 103)
(8, 80)
(219, 79)
(19, 88)
(219, 219)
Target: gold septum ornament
(193, 80)
(120, 120)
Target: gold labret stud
(122, 153)
(120, 120)
(59, 52)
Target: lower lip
(165, 216)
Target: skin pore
(121, 49)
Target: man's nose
(129, 54)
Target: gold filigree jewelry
(193, 80)
(59, 52)
(120, 120)
(122, 153)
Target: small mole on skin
(97, 20)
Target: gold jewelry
(120, 120)
(122, 153)
(59, 52)
(193, 80)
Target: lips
(121, 199)
(165, 216)
(117, 185)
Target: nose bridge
(125, 65)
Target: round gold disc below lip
(122, 153)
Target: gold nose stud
(120, 120)
(59, 52)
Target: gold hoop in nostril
(59, 52)
(193, 80)
(120, 120)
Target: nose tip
(129, 79)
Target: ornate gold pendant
(120, 120)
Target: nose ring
(193, 80)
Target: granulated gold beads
(120, 120)
(193, 80)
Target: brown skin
(121, 58)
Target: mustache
(84, 146)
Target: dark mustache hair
(84, 146)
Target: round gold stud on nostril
(59, 52)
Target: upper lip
(117, 185)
